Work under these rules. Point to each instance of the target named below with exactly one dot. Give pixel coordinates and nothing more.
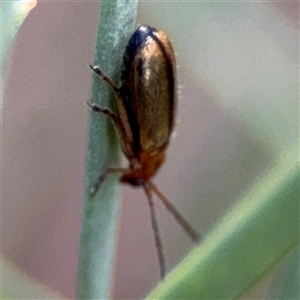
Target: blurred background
(238, 111)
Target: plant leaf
(13, 14)
(255, 235)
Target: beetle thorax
(143, 168)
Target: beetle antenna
(158, 243)
(179, 218)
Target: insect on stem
(145, 118)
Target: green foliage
(13, 14)
(100, 213)
(253, 237)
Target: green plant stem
(100, 213)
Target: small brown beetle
(145, 119)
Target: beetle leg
(105, 111)
(158, 243)
(179, 218)
(102, 177)
(123, 129)
(118, 124)
(115, 118)
(98, 72)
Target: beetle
(145, 118)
